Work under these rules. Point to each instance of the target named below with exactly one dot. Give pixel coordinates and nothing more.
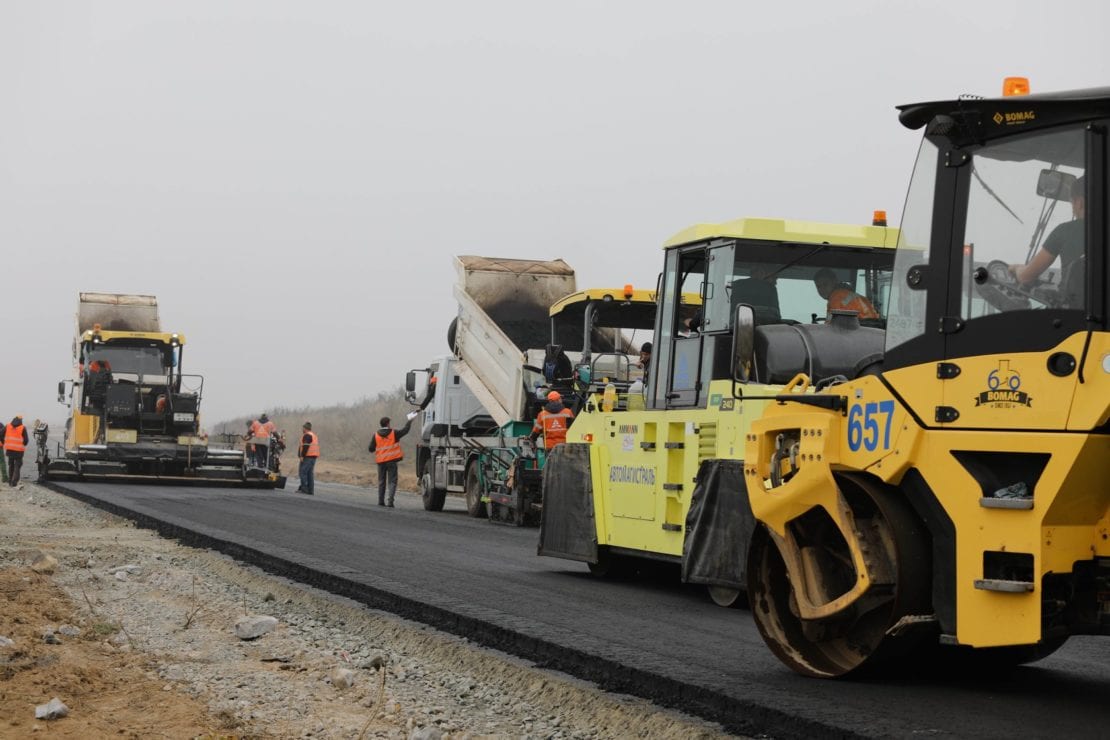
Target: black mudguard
(567, 526)
(719, 527)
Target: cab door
(1012, 350)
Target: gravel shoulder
(155, 651)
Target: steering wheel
(998, 287)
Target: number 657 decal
(869, 424)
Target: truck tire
(473, 490)
(432, 497)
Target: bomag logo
(1014, 119)
(1004, 389)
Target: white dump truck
(522, 330)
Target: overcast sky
(292, 179)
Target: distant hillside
(344, 431)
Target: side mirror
(410, 381)
(743, 342)
(62, 392)
(1055, 184)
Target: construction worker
(15, 443)
(552, 421)
(386, 446)
(265, 430)
(841, 297)
(430, 394)
(308, 453)
(645, 357)
(1066, 241)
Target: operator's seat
(761, 295)
(1073, 283)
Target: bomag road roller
(133, 413)
(653, 471)
(954, 500)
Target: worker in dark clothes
(15, 443)
(386, 446)
(430, 395)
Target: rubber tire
(433, 498)
(473, 493)
(729, 598)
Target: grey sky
(327, 159)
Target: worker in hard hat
(15, 443)
(553, 421)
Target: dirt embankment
(142, 644)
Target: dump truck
(134, 413)
(509, 352)
(662, 479)
(955, 501)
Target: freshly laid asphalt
(650, 635)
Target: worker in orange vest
(553, 421)
(263, 429)
(841, 297)
(15, 443)
(386, 446)
(308, 452)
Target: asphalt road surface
(649, 635)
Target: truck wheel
(474, 505)
(433, 499)
(726, 597)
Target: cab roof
(785, 230)
(970, 119)
(149, 336)
(638, 296)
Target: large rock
(253, 626)
(53, 709)
(44, 564)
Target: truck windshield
(131, 360)
(1023, 246)
(1025, 217)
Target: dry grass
(344, 431)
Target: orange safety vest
(266, 429)
(845, 299)
(13, 438)
(554, 426)
(386, 449)
(313, 445)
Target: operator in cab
(841, 296)
(1066, 240)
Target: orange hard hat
(554, 396)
